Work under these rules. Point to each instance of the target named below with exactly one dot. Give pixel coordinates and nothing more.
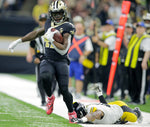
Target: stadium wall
(14, 62)
(16, 25)
(13, 27)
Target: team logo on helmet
(58, 11)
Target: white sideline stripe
(26, 91)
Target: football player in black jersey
(55, 63)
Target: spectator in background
(106, 41)
(80, 48)
(11, 5)
(146, 19)
(90, 74)
(114, 11)
(136, 60)
(103, 14)
(39, 8)
(80, 9)
(123, 71)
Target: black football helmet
(58, 11)
(79, 109)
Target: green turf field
(16, 113)
(142, 107)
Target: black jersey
(65, 27)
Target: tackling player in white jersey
(106, 113)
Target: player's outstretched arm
(28, 37)
(89, 117)
(34, 34)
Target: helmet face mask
(58, 11)
(79, 109)
(57, 16)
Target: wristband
(33, 58)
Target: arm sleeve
(88, 45)
(102, 99)
(145, 45)
(110, 41)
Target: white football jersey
(112, 113)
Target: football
(57, 36)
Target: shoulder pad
(68, 28)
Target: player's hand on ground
(13, 44)
(50, 34)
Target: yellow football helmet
(58, 11)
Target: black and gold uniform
(55, 64)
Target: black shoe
(134, 103)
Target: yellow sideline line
(9, 37)
(7, 53)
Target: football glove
(13, 44)
(97, 88)
(49, 34)
(99, 91)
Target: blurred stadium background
(17, 19)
